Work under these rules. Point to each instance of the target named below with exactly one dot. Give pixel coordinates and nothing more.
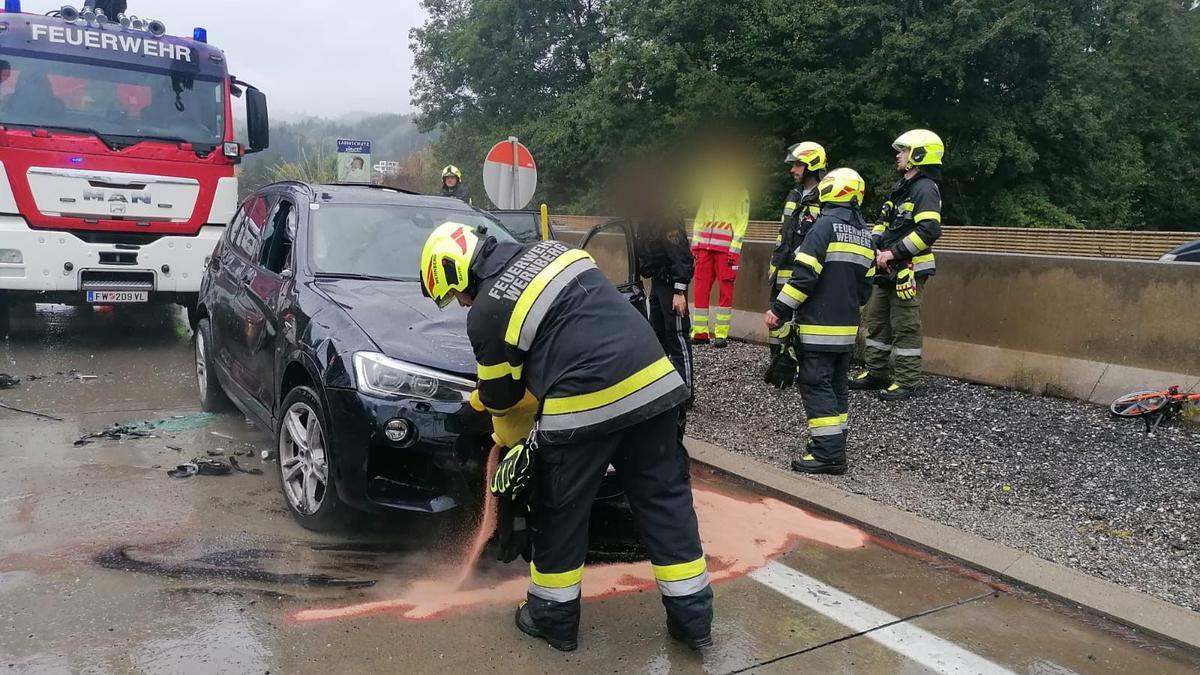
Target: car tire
(306, 476)
(212, 396)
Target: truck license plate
(105, 297)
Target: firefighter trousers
(893, 344)
(652, 468)
(825, 390)
(671, 329)
(718, 267)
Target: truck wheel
(306, 474)
(212, 397)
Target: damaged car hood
(404, 324)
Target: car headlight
(379, 375)
(1167, 257)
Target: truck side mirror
(258, 126)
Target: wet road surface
(109, 565)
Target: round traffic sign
(509, 174)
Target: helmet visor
(444, 301)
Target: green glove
(512, 474)
(906, 284)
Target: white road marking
(906, 639)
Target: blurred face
(798, 171)
(450, 181)
(902, 159)
(463, 299)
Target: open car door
(612, 246)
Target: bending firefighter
(453, 185)
(800, 211)
(910, 223)
(547, 326)
(829, 284)
(717, 234)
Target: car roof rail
(306, 186)
(375, 186)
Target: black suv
(311, 320)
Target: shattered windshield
(122, 105)
(381, 240)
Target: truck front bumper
(58, 265)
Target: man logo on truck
(99, 196)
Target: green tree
(1069, 114)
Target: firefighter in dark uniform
(830, 282)
(665, 258)
(453, 185)
(800, 210)
(547, 325)
(910, 223)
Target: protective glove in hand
(781, 374)
(512, 474)
(906, 284)
(513, 425)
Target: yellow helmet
(810, 154)
(451, 170)
(446, 261)
(842, 186)
(926, 148)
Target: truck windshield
(121, 105)
(380, 240)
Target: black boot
(524, 620)
(896, 393)
(696, 643)
(810, 464)
(720, 343)
(865, 381)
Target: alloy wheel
(302, 460)
(201, 365)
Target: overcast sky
(309, 57)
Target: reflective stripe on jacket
(830, 281)
(799, 213)
(916, 223)
(548, 320)
(721, 221)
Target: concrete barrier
(1084, 328)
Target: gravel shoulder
(1060, 479)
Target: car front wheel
(305, 468)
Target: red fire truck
(117, 157)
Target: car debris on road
(8, 381)
(201, 466)
(29, 412)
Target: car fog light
(398, 430)
(11, 255)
